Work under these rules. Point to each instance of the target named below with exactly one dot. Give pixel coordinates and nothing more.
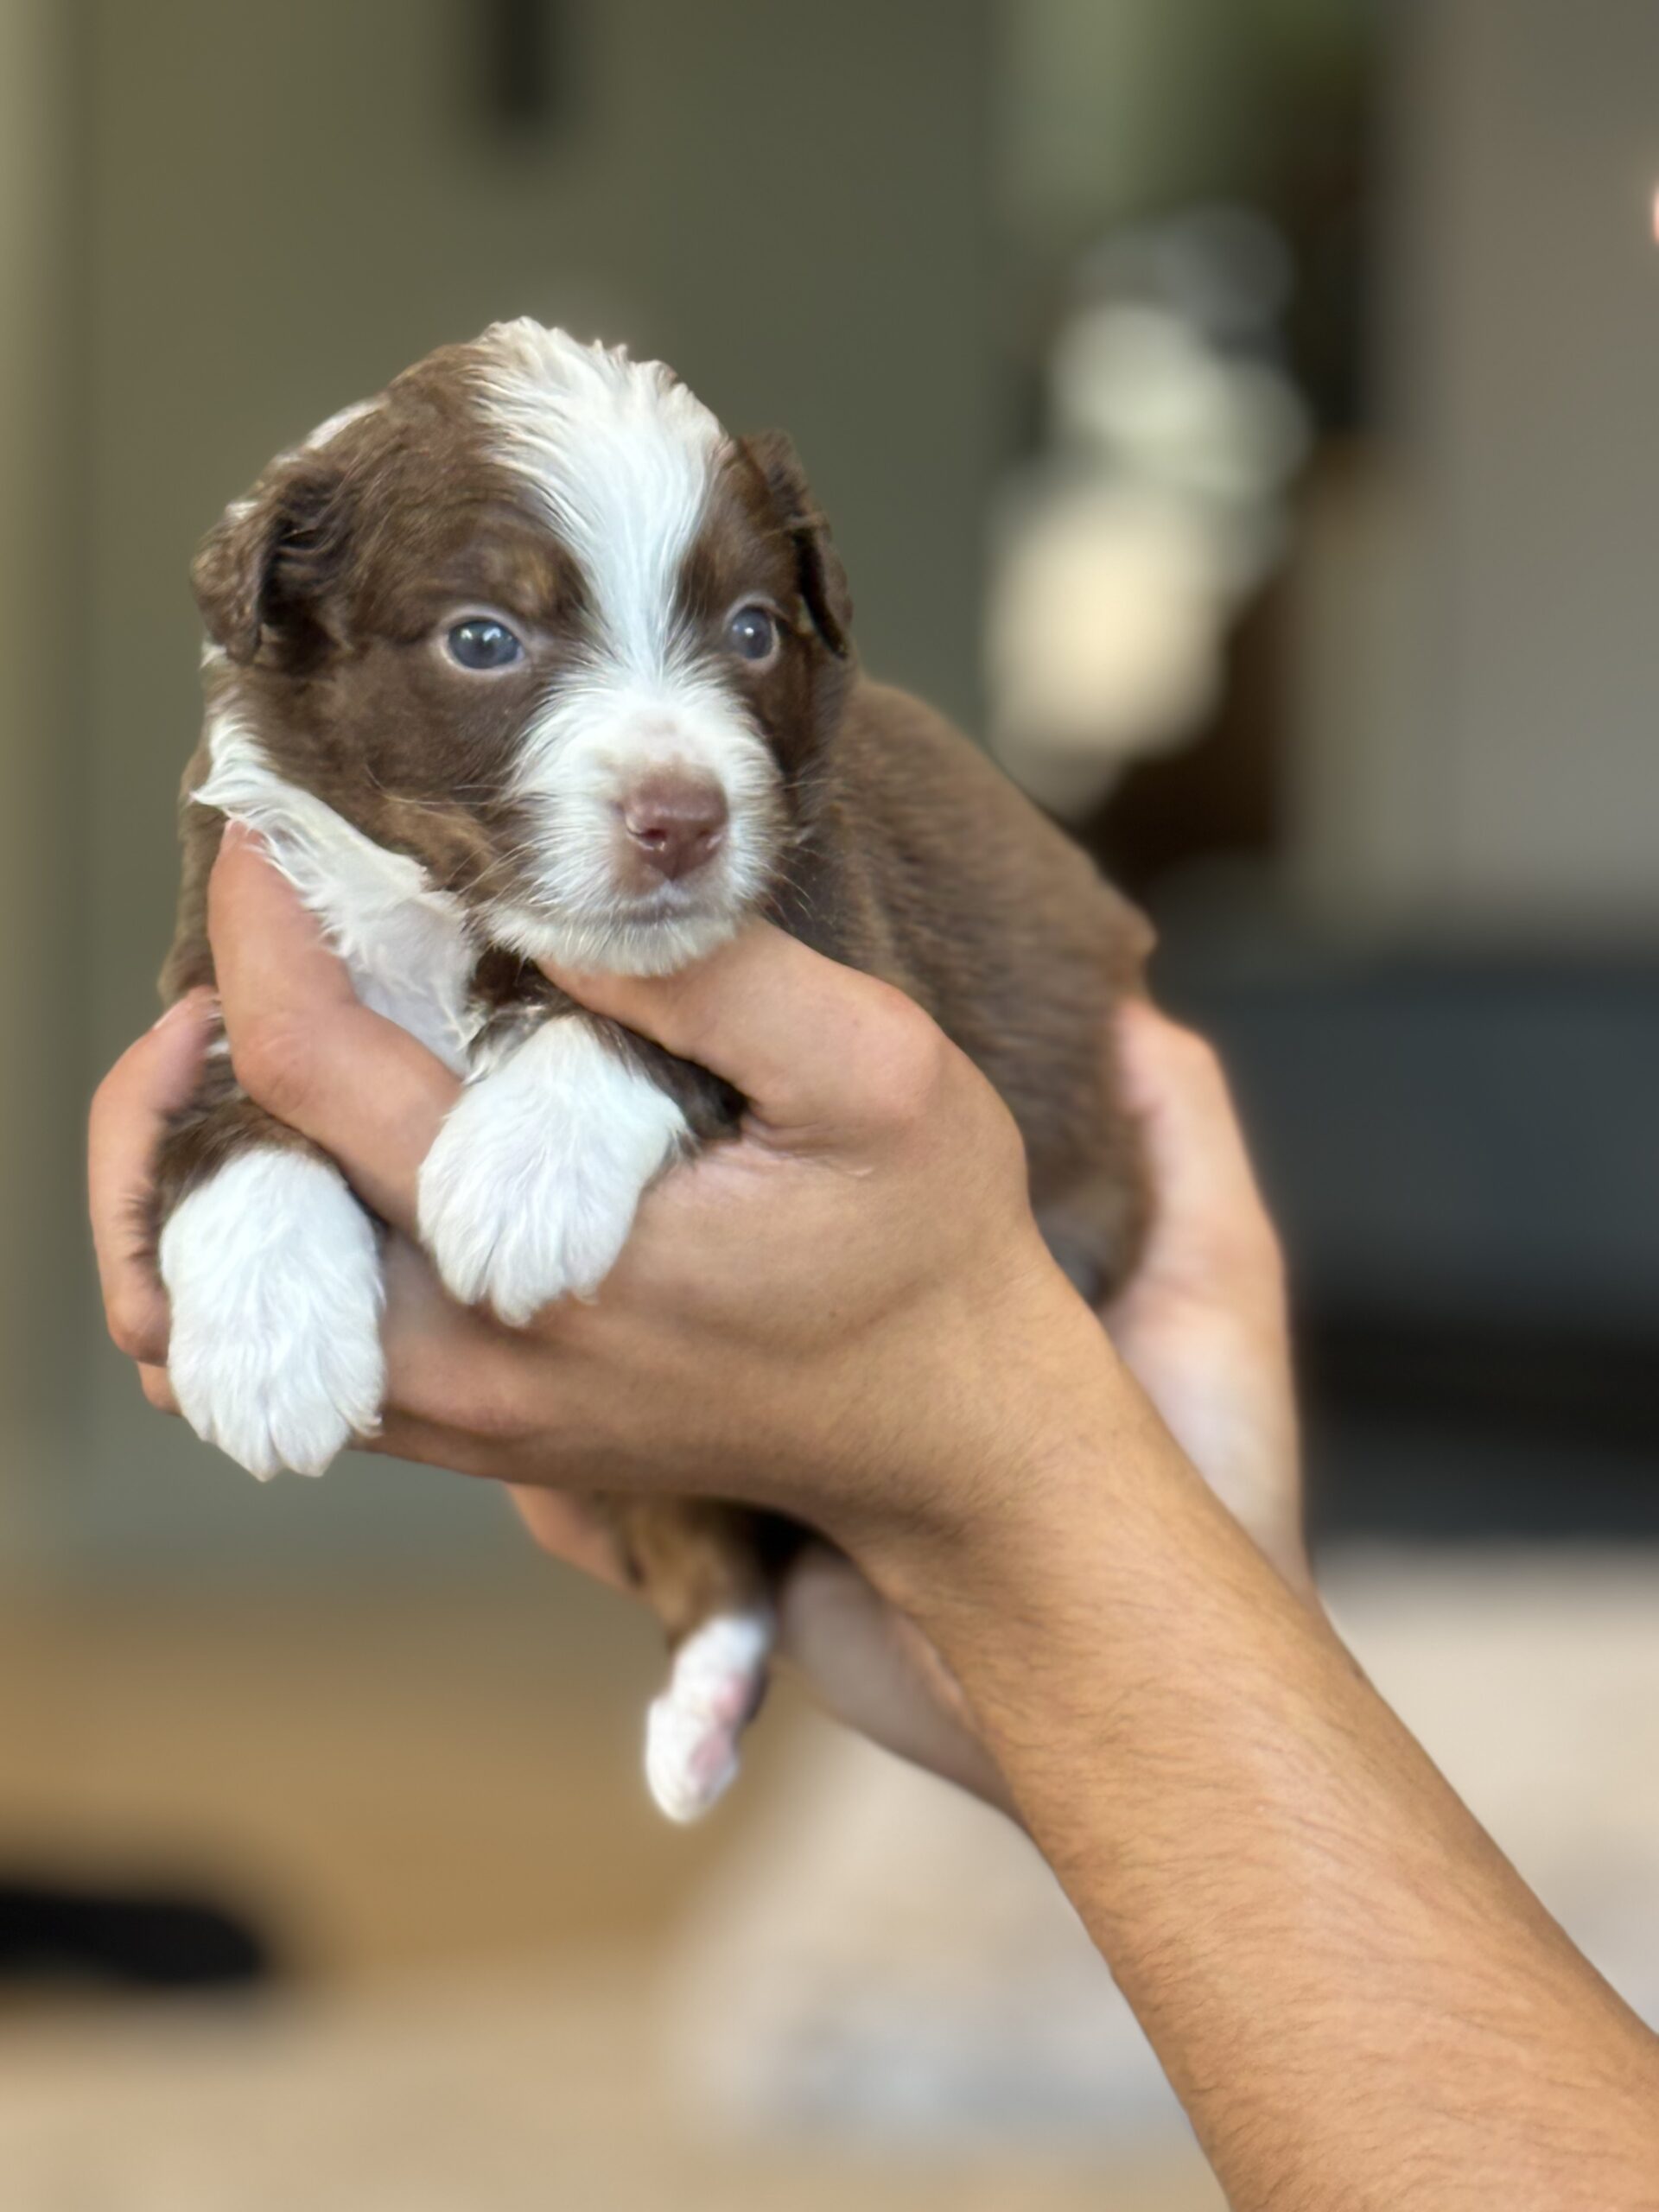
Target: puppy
(528, 660)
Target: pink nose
(677, 823)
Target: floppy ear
(823, 579)
(267, 562)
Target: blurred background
(1242, 413)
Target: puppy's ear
(267, 563)
(823, 579)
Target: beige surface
(410, 1776)
(432, 1797)
(466, 2098)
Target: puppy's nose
(677, 822)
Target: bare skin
(848, 1314)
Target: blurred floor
(508, 1974)
(429, 1798)
(460, 2096)
(393, 1778)
(887, 1961)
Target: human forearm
(1358, 2000)
(847, 1314)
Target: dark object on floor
(136, 1941)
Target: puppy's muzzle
(675, 824)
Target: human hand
(461, 1388)
(1203, 1323)
(912, 1185)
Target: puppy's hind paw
(273, 1272)
(692, 1731)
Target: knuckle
(1247, 1254)
(138, 1326)
(111, 1100)
(914, 1059)
(464, 1398)
(1192, 1068)
(1005, 1144)
(153, 1381)
(271, 1058)
(1193, 1055)
(495, 1421)
(104, 1101)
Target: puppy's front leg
(529, 1193)
(272, 1271)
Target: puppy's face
(534, 620)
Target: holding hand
(836, 1314)
(847, 1314)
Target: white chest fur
(407, 946)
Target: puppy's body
(619, 790)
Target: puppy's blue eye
(484, 643)
(752, 633)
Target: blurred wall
(219, 224)
(1114, 108)
(1479, 745)
(277, 209)
(41, 1261)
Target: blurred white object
(1473, 753)
(884, 1957)
(1145, 389)
(1120, 561)
(1105, 631)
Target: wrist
(1067, 1519)
(1009, 1410)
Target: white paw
(529, 1193)
(692, 1731)
(273, 1272)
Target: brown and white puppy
(528, 660)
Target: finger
(304, 1046)
(802, 1038)
(453, 1366)
(575, 1530)
(565, 1527)
(430, 1444)
(151, 1081)
(1172, 1079)
(157, 1387)
(874, 1671)
(452, 1374)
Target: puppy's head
(533, 618)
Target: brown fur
(908, 855)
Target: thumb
(798, 1035)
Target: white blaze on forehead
(619, 460)
(620, 456)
